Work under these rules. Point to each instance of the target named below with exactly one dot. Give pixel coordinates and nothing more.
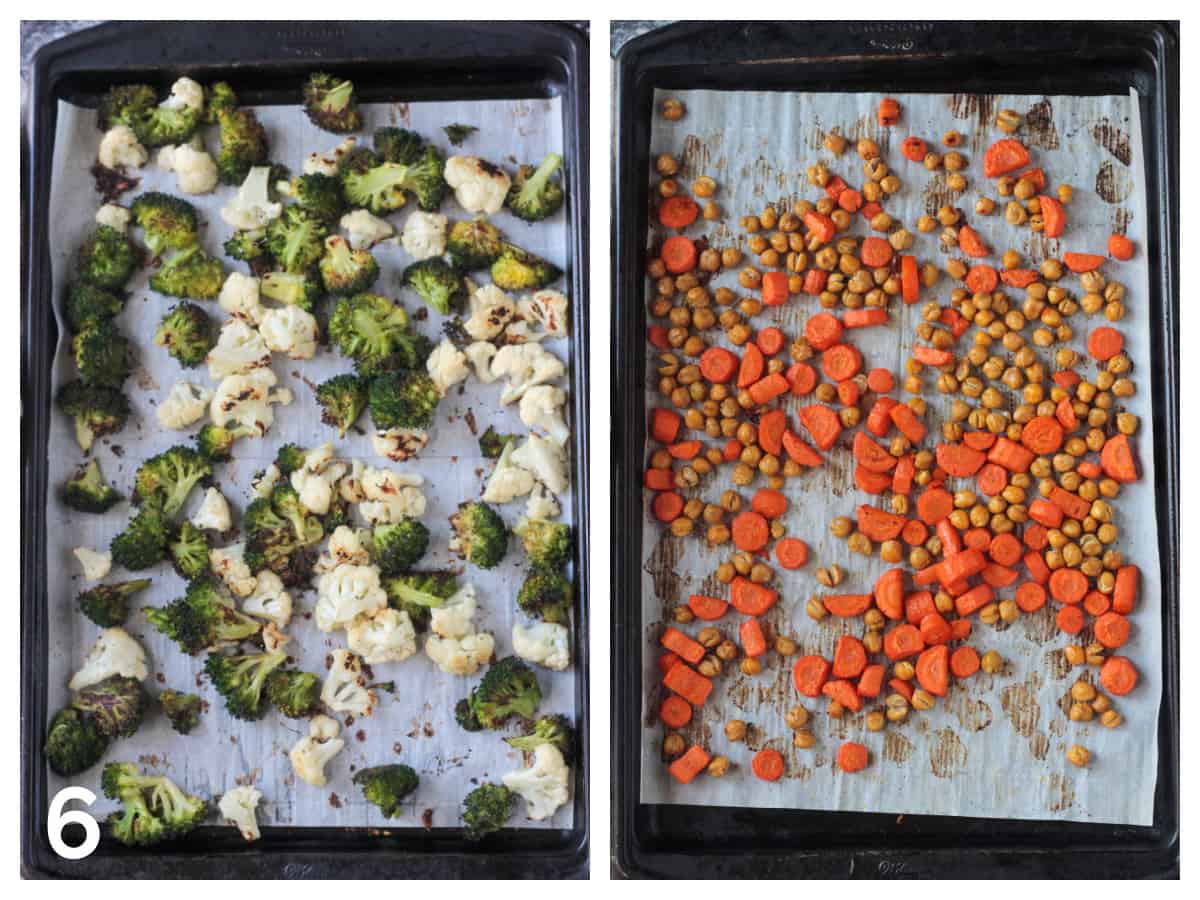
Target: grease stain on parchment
(897, 748)
(1019, 702)
(972, 714)
(1113, 184)
(694, 160)
(981, 108)
(1062, 792)
(937, 194)
(1039, 746)
(1121, 217)
(1039, 126)
(947, 754)
(1056, 664)
(665, 556)
(1108, 135)
(1040, 626)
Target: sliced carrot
(902, 687)
(960, 629)
(973, 600)
(1004, 156)
(660, 479)
(1036, 177)
(810, 674)
(982, 279)
(954, 320)
(1074, 506)
(1104, 343)
(774, 288)
(1019, 278)
(1116, 459)
(870, 683)
(665, 425)
(820, 226)
(834, 187)
(799, 452)
(1035, 536)
(848, 393)
(934, 629)
(767, 389)
(902, 479)
(1054, 217)
(966, 564)
(1088, 469)
(1083, 262)
(1096, 603)
(847, 606)
(707, 608)
(1045, 513)
(1118, 675)
(999, 576)
(864, 318)
(933, 670)
(913, 148)
(907, 422)
(950, 538)
(751, 531)
(934, 505)
(910, 281)
(931, 356)
(771, 427)
(871, 482)
(889, 111)
(841, 362)
(767, 764)
(1038, 570)
(814, 282)
(902, 642)
(1042, 435)
(823, 330)
(1066, 378)
(769, 503)
(667, 660)
(992, 480)
(977, 539)
(770, 340)
(870, 210)
(718, 365)
(971, 243)
(881, 381)
(1030, 596)
(1125, 590)
(1005, 549)
(678, 642)
(917, 606)
(659, 337)
(871, 455)
(875, 252)
(822, 423)
(889, 593)
(802, 377)
(878, 524)
(850, 200)
(964, 662)
(675, 712)
(751, 599)
(1112, 630)
(849, 657)
(1069, 619)
(751, 367)
(1064, 411)
(732, 450)
(1011, 455)
(684, 450)
(754, 643)
(679, 254)
(668, 506)
(1120, 247)
(688, 684)
(791, 553)
(690, 765)
(843, 692)
(852, 757)
(959, 460)
(879, 419)
(1068, 585)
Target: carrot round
(841, 362)
(870, 683)
(982, 279)
(849, 658)
(667, 660)
(1118, 675)
(842, 691)
(769, 503)
(1070, 620)
(678, 212)
(1083, 262)
(660, 479)
(823, 330)
(1004, 156)
(771, 427)
(934, 505)
(718, 365)
(774, 289)
(815, 281)
(791, 553)
(668, 506)
(767, 389)
(770, 340)
(810, 674)
(1042, 435)
(802, 377)
(933, 670)
(679, 254)
(959, 460)
(659, 337)
(1116, 459)
(1096, 604)
(960, 629)
(992, 480)
(852, 757)
(847, 606)
(684, 449)
(889, 593)
(1035, 536)
(767, 764)
(1068, 585)
(1104, 343)
(1005, 550)
(751, 599)
(913, 148)
(751, 367)
(914, 531)
(1120, 247)
(934, 629)
(1030, 596)
(881, 381)
(964, 662)
(850, 200)
(751, 531)
(889, 111)
(1112, 630)
(879, 524)
(902, 642)
(675, 712)
(876, 252)
(707, 608)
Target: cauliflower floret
(240, 349)
(240, 297)
(114, 216)
(541, 504)
(345, 688)
(544, 784)
(543, 643)
(345, 593)
(460, 656)
(185, 93)
(453, 618)
(195, 171)
(363, 230)
(251, 206)
(399, 444)
(542, 409)
(424, 235)
(184, 405)
(119, 148)
(447, 366)
(213, 513)
(270, 600)
(525, 365)
(387, 636)
(311, 753)
(246, 401)
(238, 805)
(350, 487)
(114, 653)
(95, 565)
(344, 548)
(329, 163)
(290, 330)
(478, 185)
(316, 488)
(229, 564)
(547, 308)
(545, 459)
(480, 354)
(273, 638)
(507, 481)
(264, 482)
(491, 310)
(391, 496)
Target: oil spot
(1121, 217)
(1056, 664)
(1040, 626)
(1112, 184)
(661, 568)
(1062, 792)
(973, 715)
(1113, 139)
(947, 755)
(803, 773)
(144, 380)
(1039, 745)
(922, 725)
(1039, 126)
(1038, 247)
(897, 748)
(695, 158)
(1057, 727)
(936, 194)
(838, 728)
(1021, 707)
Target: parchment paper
(995, 747)
(415, 725)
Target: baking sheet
(415, 725)
(995, 746)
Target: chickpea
(674, 744)
(815, 608)
(1008, 121)
(803, 739)
(896, 707)
(668, 188)
(750, 666)
(735, 730)
(923, 700)
(709, 667)
(704, 187)
(992, 662)
(726, 651)
(718, 766)
(876, 720)
(1078, 756)
(666, 165)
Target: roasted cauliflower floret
(345, 688)
(311, 753)
(347, 592)
(479, 186)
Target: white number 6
(56, 820)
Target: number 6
(56, 820)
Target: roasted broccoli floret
(373, 331)
(167, 222)
(295, 694)
(107, 259)
(424, 180)
(387, 786)
(436, 282)
(102, 354)
(85, 304)
(480, 535)
(243, 144)
(473, 244)
(155, 808)
(126, 104)
(241, 679)
(306, 527)
(369, 183)
(399, 546)
(191, 274)
(520, 270)
(73, 742)
(215, 442)
(86, 491)
(203, 617)
(108, 604)
(135, 825)
(547, 544)
(183, 710)
(344, 270)
(403, 400)
(293, 289)
(507, 688)
(319, 194)
(248, 246)
(342, 399)
(492, 442)
(534, 194)
(297, 240)
(456, 133)
(416, 593)
(143, 543)
(553, 729)
(271, 544)
(160, 126)
(546, 595)
(486, 810)
(116, 705)
(217, 98)
(186, 332)
(330, 103)
(97, 410)
(290, 457)
(465, 716)
(189, 551)
(170, 476)
(398, 145)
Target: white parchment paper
(995, 747)
(415, 725)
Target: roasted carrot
(934, 629)
(1066, 378)
(1112, 630)
(1019, 278)
(834, 187)
(902, 479)
(1088, 469)
(1120, 247)
(870, 683)
(660, 479)
(841, 362)
(708, 608)
(900, 686)
(688, 684)
(1042, 435)
(1064, 411)
(1005, 549)
(751, 367)
(1054, 217)
(684, 450)
(665, 425)
(848, 393)
(820, 226)
(954, 320)
(769, 503)
(802, 377)
(849, 657)
(960, 629)
(767, 764)
(879, 419)
(1125, 590)
(1069, 619)
(679, 253)
(659, 337)
(871, 455)
(822, 423)
(1038, 570)
(774, 288)
(850, 200)
(913, 148)
(1004, 156)
(907, 423)
(982, 279)
(1118, 675)
(1104, 343)
(910, 281)
(823, 330)
(917, 605)
(799, 452)
(878, 524)
(791, 553)
(1083, 262)
(750, 531)
(1096, 604)
(973, 600)
(992, 480)
(979, 440)
(977, 539)
(810, 674)
(875, 252)
(1116, 459)
(1036, 177)
(1045, 513)
(770, 340)
(767, 389)
(847, 606)
(814, 282)
(881, 381)
(666, 660)
(771, 427)
(1068, 585)
(870, 210)
(934, 505)
(931, 356)
(933, 669)
(751, 599)
(678, 212)
(732, 450)
(889, 111)
(675, 712)
(950, 538)
(959, 460)
(718, 365)
(843, 692)
(964, 662)
(668, 506)
(1074, 506)
(902, 642)
(970, 243)
(1035, 536)
(678, 642)
(690, 765)
(750, 633)
(864, 318)
(871, 482)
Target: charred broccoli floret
(457, 133)
(306, 527)
(86, 491)
(125, 104)
(73, 742)
(97, 410)
(155, 808)
(346, 271)
(160, 125)
(116, 705)
(297, 240)
(247, 245)
(320, 195)
(547, 544)
(295, 694)
(243, 144)
(330, 103)
(486, 810)
(85, 303)
(168, 478)
(372, 184)
(416, 593)
(107, 259)
(546, 595)
(399, 546)
(186, 332)
(182, 710)
(202, 618)
(241, 679)
(167, 222)
(520, 270)
(189, 551)
(108, 604)
(143, 543)
(553, 729)
(508, 688)
(191, 274)
(215, 442)
(402, 400)
(398, 145)
(271, 544)
(102, 355)
(465, 716)
(424, 180)
(480, 535)
(289, 458)
(373, 331)
(436, 282)
(342, 399)
(291, 288)
(474, 244)
(534, 194)
(387, 786)
(217, 98)
(492, 442)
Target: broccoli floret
(107, 259)
(289, 458)
(416, 593)
(183, 710)
(215, 442)
(191, 274)
(508, 688)
(520, 270)
(202, 618)
(102, 355)
(465, 716)
(424, 180)
(241, 679)
(271, 544)
(486, 810)
(170, 476)
(126, 104)
(474, 244)
(436, 282)
(371, 184)
(73, 742)
(553, 729)
(398, 145)
(387, 786)
(480, 535)
(346, 271)
(534, 195)
(85, 304)
(306, 527)
(135, 825)
(87, 492)
(319, 194)
(373, 331)
(456, 133)
(547, 544)
(155, 807)
(189, 551)
(186, 332)
(297, 240)
(402, 400)
(97, 410)
(546, 595)
(217, 98)
(143, 543)
(330, 103)
(160, 126)
(108, 604)
(116, 705)
(167, 222)
(338, 514)
(342, 399)
(492, 442)
(243, 144)
(295, 694)
(293, 289)
(399, 546)
(247, 246)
